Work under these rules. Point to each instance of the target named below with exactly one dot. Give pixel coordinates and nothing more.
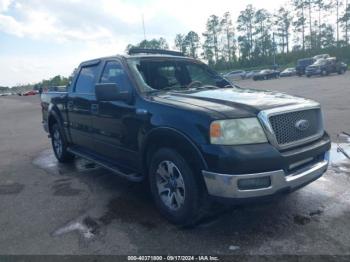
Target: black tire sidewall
(65, 156)
(188, 212)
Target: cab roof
(141, 53)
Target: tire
(59, 145)
(180, 197)
(308, 76)
(341, 71)
(324, 73)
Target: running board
(105, 163)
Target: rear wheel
(341, 71)
(324, 73)
(175, 189)
(59, 145)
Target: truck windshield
(174, 74)
(320, 62)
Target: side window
(114, 73)
(86, 80)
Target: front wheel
(59, 145)
(176, 191)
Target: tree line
(299, 28)
(52, 82)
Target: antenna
(143, 26)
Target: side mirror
(111, 92)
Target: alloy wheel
(57, 142)
(170, 185)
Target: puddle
(47, 161)
(128, 210)
(11, 189)
(64, 188)
(338, 157)
(302, 220)
(338, 161)
(317, 212)
(87, 227)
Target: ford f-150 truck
(160, 117)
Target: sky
(43, 38)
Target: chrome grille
(286, 132)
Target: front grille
(286, 132)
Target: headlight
(237, 132)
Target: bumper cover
(226, 185)
(313, 72)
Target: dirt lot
(46, 208)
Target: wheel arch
(55, 117)
(171, 138)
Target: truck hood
(233, 102)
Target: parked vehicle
(323, 56)
(6, 94)
(266, 74)
(251, 74)
(302, 64)
(238, 74)
(161, 117)
(288, 72)
(325, 67)
(30, 93)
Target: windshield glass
(165, 74)
(305, 62)
(320, 62)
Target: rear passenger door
(81, 105)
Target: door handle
(70, 105)
(94, 109)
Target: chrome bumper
(224, 185)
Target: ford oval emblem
(302, 125)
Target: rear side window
(115, 73)
(86, 80)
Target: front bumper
(227, 185)
(313, 72)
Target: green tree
(211, 36)
(160, 43)
(345, 22)
(336, 5)
(228, 31)
(300, 22)
(283, 21)
(309, 5)
(262, 27)
(245, 27)
(192, 43)
(180, 43)
(327, 36)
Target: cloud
(4, 5)
(83, 29)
